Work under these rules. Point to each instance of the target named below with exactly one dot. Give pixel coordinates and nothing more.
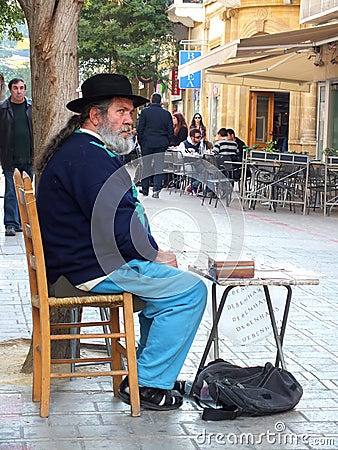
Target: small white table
(265, 277)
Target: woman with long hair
(180, 129)
(197, 122)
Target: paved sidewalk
(84, 413)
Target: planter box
(271, 156)
(257, 155)
(301, 158)
(291, 158)
(333, 160)
(286, 157)
(263, 156)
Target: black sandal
(152, 398)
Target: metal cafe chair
(180, 176)
(168, 169)
(322, 186)
(217, 179)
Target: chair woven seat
(102, 301)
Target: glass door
(269, 119)
(261, 118)
(333, 117)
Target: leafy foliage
(11, 15)
(330, 151)
(132, 37)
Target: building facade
(290, 98)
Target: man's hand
(166, 257)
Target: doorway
(269, 119)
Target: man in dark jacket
(154, 133)
(240, 144)
(95, 234)
(16, 147)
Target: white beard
(113, 140)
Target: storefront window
(333, 116)
(321, 119)
(327, 116)
(213, 112)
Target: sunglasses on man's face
(197, 137)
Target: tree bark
(53, 33)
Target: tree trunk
(53, 33)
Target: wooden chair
(42, 304)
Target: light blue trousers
(175, 302)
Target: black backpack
(250, 391)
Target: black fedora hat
(103, 86)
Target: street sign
(175, 90)
(193, 80)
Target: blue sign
(192, 81)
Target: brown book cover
(231, 269)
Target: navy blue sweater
(91, 221)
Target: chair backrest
(32, 236)
(210, 159)
(224, 162)
(168, 161)
(178, 162)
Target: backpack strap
(217, 414)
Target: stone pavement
(84, 413)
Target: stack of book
(231, 269)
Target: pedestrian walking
(154, 133)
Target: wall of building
(223, 25)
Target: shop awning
(293, 71)
(276, 61)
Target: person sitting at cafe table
(180, 129)
(226, 152)
(193, 147)
(240, 144)
(193, 143)
(224, 146)
(197, 122)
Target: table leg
(284, 321)
(216, 313)
(278, 337)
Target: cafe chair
(320, 185)
(43, 304)
(180, 176)
(289, 186)
(218, 181)
(168, 170)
